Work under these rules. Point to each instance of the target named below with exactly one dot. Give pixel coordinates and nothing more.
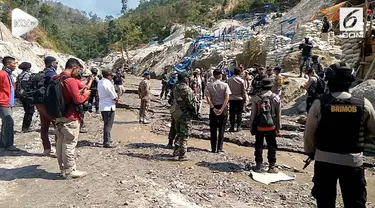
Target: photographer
(67, 126)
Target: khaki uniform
(145, 96)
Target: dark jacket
(306, 49)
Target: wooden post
(369, 70)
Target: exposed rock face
(26, 51)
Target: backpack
(34, 89)
(21, 85)
(54, 99)
(265, 118)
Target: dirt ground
(140, 172)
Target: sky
(100, 7)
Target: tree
(108, 18)
(124, 8)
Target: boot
(182, 158)
(272, 169)
(231, 129)
(170, 144)
(145, 121)
(140, 120)
(258, 168)
(239, 128)
(75, 174)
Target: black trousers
(28, 116)
(235, 112)
(164, 91)
(94, 96)
(352, 183)
(108, 118)
(217, 122)
(309, 101)
(271, 143)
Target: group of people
(336, 125)
(228, 97)
(60, 100)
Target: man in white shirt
(107, 105)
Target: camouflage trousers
(182, 128)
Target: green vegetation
(88, 36)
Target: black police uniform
(340, 131)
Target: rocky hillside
(27, 51)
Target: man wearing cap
(236, 100)
(182, 111)
(107, 105)
(145, 96)
(336, 127)
(316, 66)
(21, 84)
(256, 83)
(45, 119)
(217, 94)
(278, 81)
(265, 123)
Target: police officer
(336, 126)
(182, 110)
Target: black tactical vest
(340, 129)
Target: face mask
(54, 67)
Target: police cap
(340, 72)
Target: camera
(84, 107)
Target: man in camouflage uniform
(182, 110)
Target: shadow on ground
(19, 153)
(125, 122)
(146, 145)
(221, 166)
(86, 143)
(161, 157)
(27, 172)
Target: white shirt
(107, 94)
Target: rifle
(307, 162)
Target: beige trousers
(145, 104)
(67, 133)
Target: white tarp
(268, 178)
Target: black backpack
(34, 89)
(265, 118)
(54, 99)
(21, 85)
